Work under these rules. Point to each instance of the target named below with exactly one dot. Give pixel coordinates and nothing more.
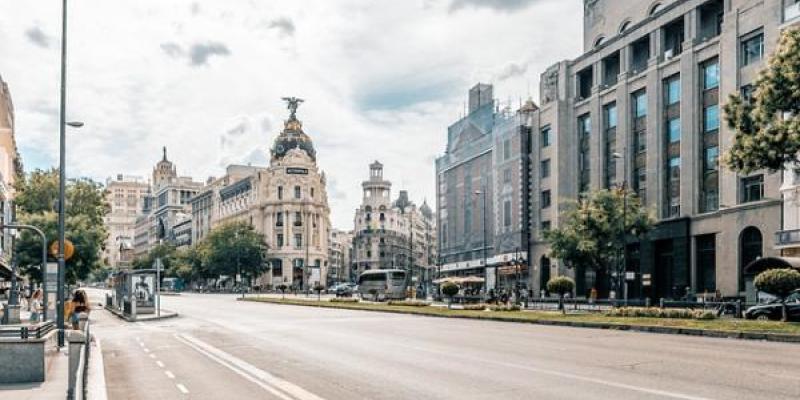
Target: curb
(164, 315)
(96, 380)
(712, 333)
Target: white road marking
(152, 355)
(277, 386)
(182, 388)
(146, 350)
(160, 364)
(169, 374)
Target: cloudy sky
(382, 80)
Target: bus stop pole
(158, 287)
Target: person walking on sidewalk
(80, 306)
(35, 305)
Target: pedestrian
(80, 308)
(35, 305)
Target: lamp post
(622, 263)
(482, 193)
(62, 176)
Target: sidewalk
(54, 386)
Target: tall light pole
(623, 264)
(62, 177)
(482, 192)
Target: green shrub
(449, 289)
(653, 312)
(343, 300)
(779, 283)
(512, 307)
(408, 303)
(560, 285)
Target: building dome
(292, 136)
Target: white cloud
(382, 80)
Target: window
(750, 249)
(706, 263)
(545, 226)
(546, 137)
(279, 240)
(752, 188)
(298, 218)
(752, 49)
(545, 168)
(674, 130)
(280, 192)
(507, 175)
(711, 75)
(585, 83)
(507, 213)
(673, 189)
(711, 158)
(298, 240)
(747, 92)
(584, 131)
(672, 90)
(297, 192)
(711, 118)
(640, 104)
(791, 9)
(506, 149)
(312, 192)
(641, 54)
(279, 219)
(611, 116)
(546, 199)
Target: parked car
(344, 289)
(772, 309)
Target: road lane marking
(169, 374)
(152, 355)
(277, 386)
(146, 350)
(160, 364)
(182, 388)
(566, 375)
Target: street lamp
(62, 175)
(622, 263)
(482, 193)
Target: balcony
(787, 238)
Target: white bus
(388, 284)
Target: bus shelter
(134, 291)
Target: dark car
(344, 289)
(773, 311)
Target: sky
(382, 80)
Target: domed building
(287, 202)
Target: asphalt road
(223, 349)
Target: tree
(592, 236)
(234, 248)
(767, 126)
(779, 283)
(561, 285)
(36, 203)
(449, 289)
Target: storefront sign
(297, 171)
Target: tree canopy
(37, 204)
(779, 283)
(767, 126)
(591, 234)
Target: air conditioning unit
(669, 54)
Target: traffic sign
(69, 249)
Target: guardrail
(79, 345)
(36, 331)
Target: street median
(718, 328)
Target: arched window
(655, 8)
(599, 41)
(544, 274)
(624, 27)
(751, 245)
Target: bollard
(738, 308)
(661, 302)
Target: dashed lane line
(182, 388)
(160, 364)
(169, 374)
(282, 389)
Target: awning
(458, 280)
(765, 263)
